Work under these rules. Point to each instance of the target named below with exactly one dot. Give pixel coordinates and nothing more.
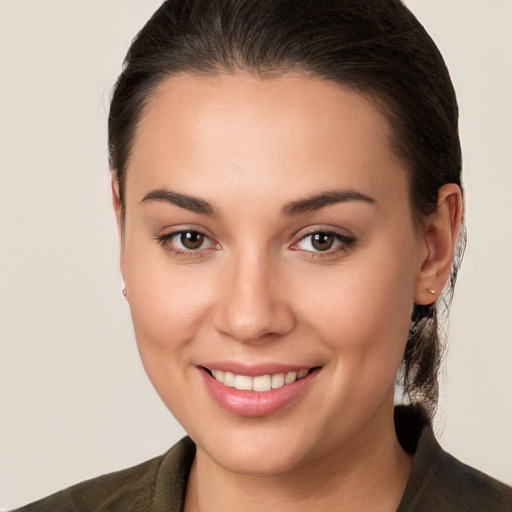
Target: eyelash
(343, 243)
(166, 242)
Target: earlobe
(440, 236)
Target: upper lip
(254, 370)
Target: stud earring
(125, 295)
(429, 290)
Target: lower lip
(255, 403)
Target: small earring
(429, 290)
(125, 295)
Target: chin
(257, 459)
(257, 451)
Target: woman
(286, 182)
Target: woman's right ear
(118, 211)
(116, 202)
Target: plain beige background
(74, 400)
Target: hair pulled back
(376, 47)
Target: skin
(257, 290)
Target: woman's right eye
(185, 242)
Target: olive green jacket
(438, 482)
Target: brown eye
(187, 244)
(192, 239)
(328, 242)
(322, 241)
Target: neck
(370, 474)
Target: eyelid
(323, 228)
(345, 241)
(170, 231)
(166, 237)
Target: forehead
(293, 133)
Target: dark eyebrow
(318, 201)
(191, 203)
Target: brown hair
(376, 47)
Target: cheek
(362, 311)
(168, 303)
(168, 311)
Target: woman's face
(268, 230)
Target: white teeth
(243, 383)
(229, 379)
(218, 374)
(263, 383)
(260, 383)
(290, 377)
(277, 380)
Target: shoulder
(450, 485)
(439, 481)
(129, 485)
(140, 487)
(473, 489)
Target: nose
(251, 304)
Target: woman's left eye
(324, 241)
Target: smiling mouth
(260, 383)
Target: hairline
(383, 103)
